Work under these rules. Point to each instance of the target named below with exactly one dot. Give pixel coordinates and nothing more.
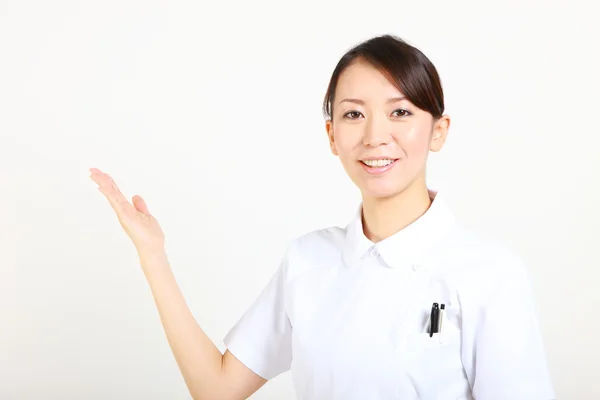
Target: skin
(207, 372)
(390, 201)
(366, 124)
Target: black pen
(435, 314)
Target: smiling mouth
(379, 163)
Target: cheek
(414, 142)
(346, 141)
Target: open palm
(134, 217)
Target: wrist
(153, 259)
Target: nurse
(352, 311)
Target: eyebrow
(361, 102)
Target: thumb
(140, 205)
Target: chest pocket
(434, 365)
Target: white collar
(406, 246)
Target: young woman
(402, 303)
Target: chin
(381, 191)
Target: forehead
(361, 79)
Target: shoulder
(481, 270)
(330, 239)
(317, 249)
(477, 258)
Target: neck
(383, 217)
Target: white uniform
(350, 318)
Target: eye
(401, 113)
(352, 114)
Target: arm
(510, 361)
(208, 374)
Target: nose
(376, 132)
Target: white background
(211, 111)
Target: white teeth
(378, 163)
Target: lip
(378, 170)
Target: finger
(108, 187)
(140, 205)
(117, 201)
(106, 182)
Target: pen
(433, 318)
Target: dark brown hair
(404, 65)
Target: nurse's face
(382, 139)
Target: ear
(440, 133)
(329, 129)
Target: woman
(351, 310)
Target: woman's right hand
(134, 217)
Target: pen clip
(442, 317)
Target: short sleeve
(261, 339)
(510, 362)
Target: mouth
(378, 166)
